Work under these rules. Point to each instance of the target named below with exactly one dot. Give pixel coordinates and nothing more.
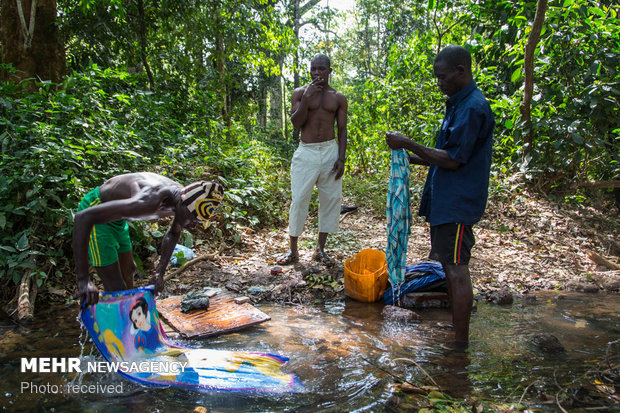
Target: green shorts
(106, 240)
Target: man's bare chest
(324, 102)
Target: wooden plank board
(222, 316)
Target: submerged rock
(393, 313)
(425, 300)
(547, 343)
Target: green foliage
(256, 185)
(183, 88)
(575, 110)
(58, 144)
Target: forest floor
(525, 245)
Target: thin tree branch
(192, 262)
(28, 31)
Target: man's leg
(292, 255)
(303, 177)
(330, 201)
(320, 245)
(461, 299)
(128, 267)
(111, 277)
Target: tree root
(192, 262)
(27, 295)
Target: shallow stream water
(345, 354)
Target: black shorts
(452, 243)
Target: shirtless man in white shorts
(320, 158)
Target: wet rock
(529, 298)
(609, 281)
(393, 313)
(255, 289)
(501, 297)
(425, 300)
(583, 287)
(547, 343)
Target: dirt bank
(524, 245)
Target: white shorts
(312, 165)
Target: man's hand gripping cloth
(398, 217)
(125, 327)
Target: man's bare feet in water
(288, 258)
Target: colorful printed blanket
(126, 329)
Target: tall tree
(297, 9)
(30, 40)
(528, 71)
(143, 42)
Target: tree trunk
(30, 40)
(220, 68)
(296, 27)
(142, 37)
(298, 12)
(261, 98)
(275, 103)
(528, 70)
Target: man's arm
(299, 109)
(341, 123)
(299, 102)
(439, 157)
(84, 222)
(416, 160)
(167, 248)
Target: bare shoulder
(341, 98)
(297, 93)
(339, 95)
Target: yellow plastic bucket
(366, 276)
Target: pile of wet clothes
(195, 300)
(422, 277)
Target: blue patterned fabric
(126, 329)
(433, 272)
(398, 217)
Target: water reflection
(345, 353)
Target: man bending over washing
(101, 231)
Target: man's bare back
(134, 196)
(148, 186)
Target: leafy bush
(61, 142)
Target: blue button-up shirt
(460, 195)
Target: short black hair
(321, 56)
(140, 302)
(455, 55)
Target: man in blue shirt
(456, 189)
